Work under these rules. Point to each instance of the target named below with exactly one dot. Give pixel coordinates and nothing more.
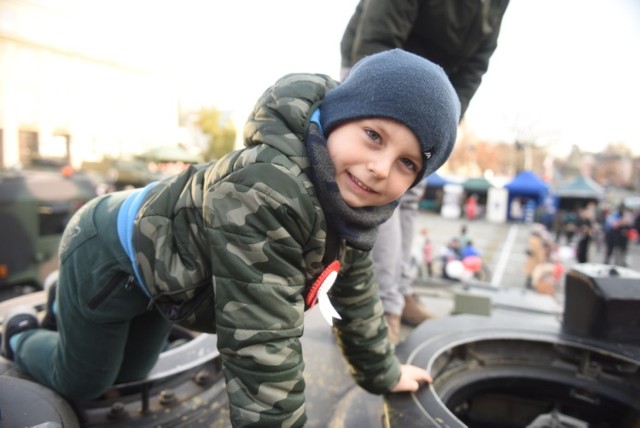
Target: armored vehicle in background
(119, 174)
(35, 206)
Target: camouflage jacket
(239, 241)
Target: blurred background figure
(558, 225)
(516, 211)
(471, 207)
(464, 235)
(422, 256)
(538, 252)
(451, 252)
(427, 252)
(616, 236)
(585, 233)
(570, 226)
(459, 36)
(546, 277)
(469, 250)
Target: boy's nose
(379, 167)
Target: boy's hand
(411, 377)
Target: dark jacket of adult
(459, 35)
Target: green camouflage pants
(106, 334)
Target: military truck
(35, 205)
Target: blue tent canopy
(527, 184)
(436, 180)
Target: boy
(235, 247)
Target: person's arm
(466, 80)
(348, 38)
(383, 25)
(467, 77)
(257, 260)
(362, 331)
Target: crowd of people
(592, 233)
(589, 234)
(458, 260)
(597, 230)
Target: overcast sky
(565, 72)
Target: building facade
(68, 91)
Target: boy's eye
(372, 134)
(409, 164)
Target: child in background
(469, 250)
(427, 251)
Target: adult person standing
(461, 37)
(617, 226)
(585, 234)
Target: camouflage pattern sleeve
(259, 223)
(362, 331)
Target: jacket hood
(281, 115)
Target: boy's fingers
(424, 376)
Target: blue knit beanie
(404, 87)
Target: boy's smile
(376, 160)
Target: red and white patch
(320, 289)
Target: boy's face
(376, 160)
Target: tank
(518, 362)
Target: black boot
(19, 319)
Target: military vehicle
(119, 174)
(522, 366)
(138, 171)
(35, 205)
(504, 358)
(37, 201)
